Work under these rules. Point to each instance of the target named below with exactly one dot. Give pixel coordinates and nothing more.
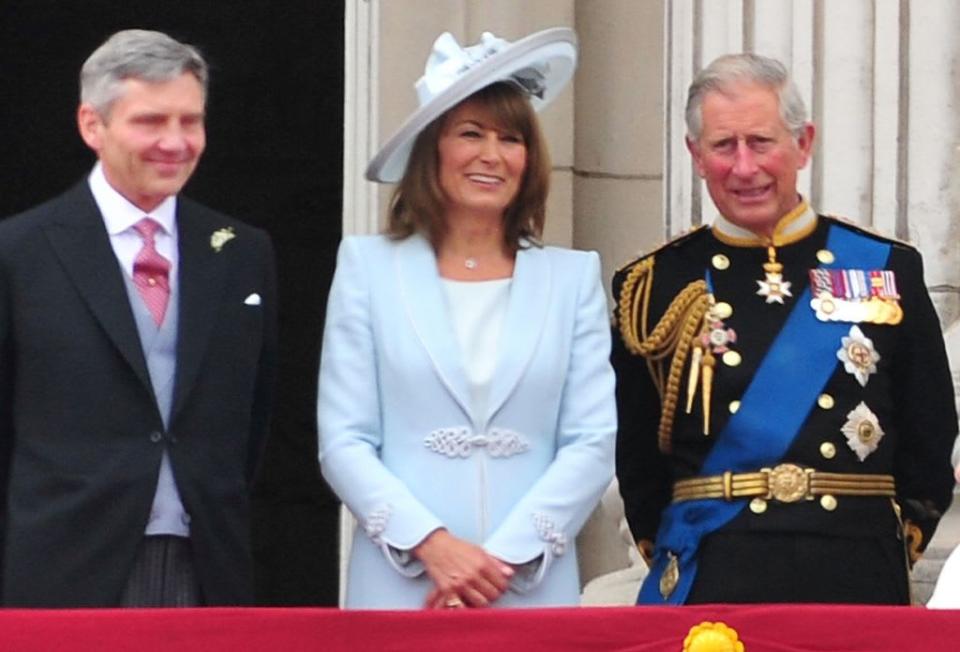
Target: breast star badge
(858, 355)
(862, 430)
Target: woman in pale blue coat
(466, 409)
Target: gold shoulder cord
(673, 335)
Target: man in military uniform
(786, 409)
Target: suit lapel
(426, 306)
(522, 325)
(201, 277)
(79, 239)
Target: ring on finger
(453, 603)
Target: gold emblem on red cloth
(712, 637)
(670, 576)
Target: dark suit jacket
(81, 433)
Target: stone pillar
(619, 146)
(930, 163)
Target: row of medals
(872, 311)
(855, 296)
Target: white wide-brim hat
(541, 64)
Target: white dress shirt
(119, 216)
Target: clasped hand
(463, 574)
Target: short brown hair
(417, 205)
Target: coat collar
(427, 309)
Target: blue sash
(798, 365)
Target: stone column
(619, 142)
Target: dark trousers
(751, 567)
(162, 575)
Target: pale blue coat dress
(403, 448)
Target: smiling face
(748, 157)
(151, 139)
(481, 163)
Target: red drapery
(762, 628)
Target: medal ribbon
(786, 384)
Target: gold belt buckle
(787, 483)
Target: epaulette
(866, 230)
(672, 242)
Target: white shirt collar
(117, 211)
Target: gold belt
(787, 483)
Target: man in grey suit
(137, 358)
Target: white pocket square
(252, 300)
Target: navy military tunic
(853, 549)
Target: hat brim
(556, 47)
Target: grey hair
(138, 54)
(730, 69)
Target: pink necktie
(151, 271)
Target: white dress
(477, 310)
